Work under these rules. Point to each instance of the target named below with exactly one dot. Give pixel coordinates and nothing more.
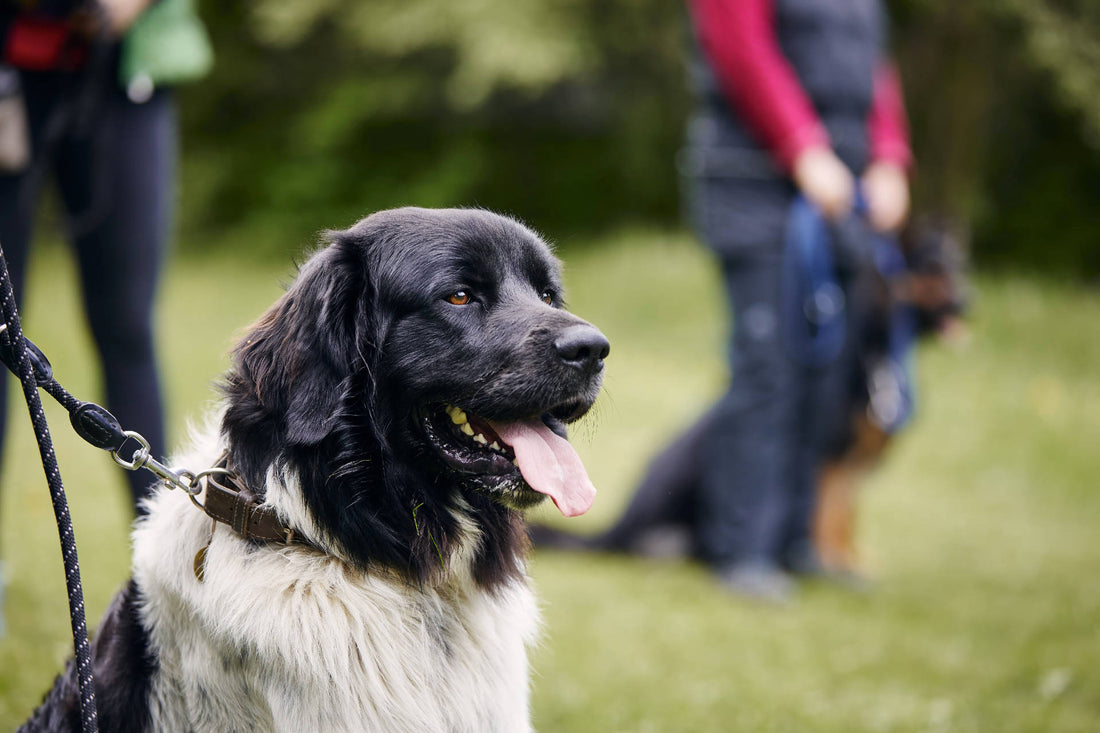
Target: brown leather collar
(230, 502)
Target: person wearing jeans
(794, 97)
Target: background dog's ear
(295, 366)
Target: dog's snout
(582, 346)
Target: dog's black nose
(582, 346)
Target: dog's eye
(547, 297)
(459, 297)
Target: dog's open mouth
(519, 461)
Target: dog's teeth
(479, 438)
(467, 429)
(458, 417)
(494, 445)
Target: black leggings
(114, 164)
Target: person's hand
(116, 15)
(121, 14)
(886, 188)
(825, 181)
(953, 332)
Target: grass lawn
(983, 527)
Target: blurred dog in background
(923, 293)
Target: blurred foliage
(569, 114)
(565, 113)
(1004, 101)
(1063, 37)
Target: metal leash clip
(143, 458)
(192, 483)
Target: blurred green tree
(1004, 98)
(565, 113)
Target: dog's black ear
(294, 367)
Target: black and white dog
(393, 412)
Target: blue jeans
(761, 451)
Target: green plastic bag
(167, 45)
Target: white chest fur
(291, 639)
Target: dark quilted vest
(738, 197)
(833, 46)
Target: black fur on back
(328, 384)
(123, 666)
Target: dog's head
(416, 379)
(936, 284)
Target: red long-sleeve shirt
(738, 36)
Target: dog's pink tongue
(549, 465)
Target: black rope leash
(97, 426)
(92, 422)
(16, 354)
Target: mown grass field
(983, 527)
